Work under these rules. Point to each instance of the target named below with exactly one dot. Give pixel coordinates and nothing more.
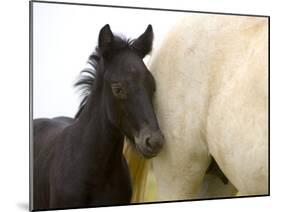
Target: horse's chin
(148, 155)
(141, 150)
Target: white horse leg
(179, 171)
(213, 186)
(216, 184)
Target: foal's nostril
(147, 143)
(154, 142)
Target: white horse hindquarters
(238, 116)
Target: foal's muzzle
(149, 143)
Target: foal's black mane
(88, 76)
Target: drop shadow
(23, 206)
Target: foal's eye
(118, 90)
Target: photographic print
(143, 105)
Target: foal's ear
(143, 44)
(105, 40)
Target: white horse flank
(211, 73)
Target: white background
(64, 37)
(14, 82)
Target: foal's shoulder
(52, 122)
(63, 120)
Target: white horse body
(212, 98)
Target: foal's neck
(100, 142)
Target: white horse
(211, 73)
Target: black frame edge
(148, 8)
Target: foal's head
(127, 88)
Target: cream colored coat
(211, 73)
